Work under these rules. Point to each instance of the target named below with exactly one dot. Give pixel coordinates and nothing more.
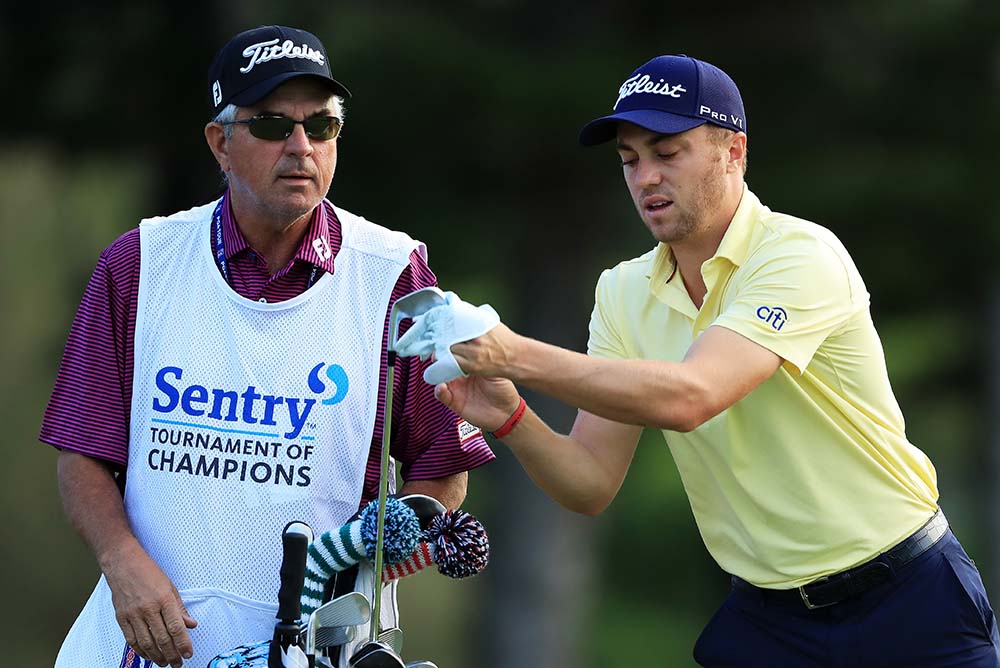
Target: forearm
(639, 392)
(568, 471)
(449, 490)
(94, 506)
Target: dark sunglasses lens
(322, 127)
(271, 127)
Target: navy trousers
(933, 613)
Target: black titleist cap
(257, 61)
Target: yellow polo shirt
(811, 473)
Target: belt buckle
(805, 596)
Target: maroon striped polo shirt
(90, 406)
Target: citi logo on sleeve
(775, 316)
(249, 406)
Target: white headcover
(441, 327)
(294, 658)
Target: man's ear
(737, 152)
(215, 135)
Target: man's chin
(301, 202)
(662, 232)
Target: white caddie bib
(245, 416)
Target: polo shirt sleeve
(90, 405)
(429, 439)
(605, 340)
(793, 294)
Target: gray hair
(228, 115)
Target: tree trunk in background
(543, 567)
(541, 577)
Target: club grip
(295, 541)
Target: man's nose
(298, 143)
(647, 174)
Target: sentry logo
(248, 406)
(775, 316)
(336, 374)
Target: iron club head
(374, 654)
(410, 306)
(348, 610)
(334, 636)
(393, 637)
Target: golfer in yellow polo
(745, 335)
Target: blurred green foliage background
(875, 118)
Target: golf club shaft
(383, 493)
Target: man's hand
(492, 354)
(148, 608)
(435, 330)
(485, 402)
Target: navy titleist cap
(671, 94)
(257, 61)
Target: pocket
(225, 621)
(720, 644)
(980, 613)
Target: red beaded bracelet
(512, 421)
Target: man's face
(282, 180)
(676, 181)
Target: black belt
(833, 589)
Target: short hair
(721, 135)
(228, 115)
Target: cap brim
(261, 89)
(605, 129)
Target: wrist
(122, 551)
(522, 362)
(511, 422)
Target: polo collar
(735, 244)
(319, 246)
(322, 239)
(734, 247)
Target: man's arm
(719, 369)
(147, 606)
(449, 490)
(582, 471)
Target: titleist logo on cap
(271, 50)
(641, 83)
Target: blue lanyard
(220, 251)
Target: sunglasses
(277, 128)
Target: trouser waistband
(833, 589)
